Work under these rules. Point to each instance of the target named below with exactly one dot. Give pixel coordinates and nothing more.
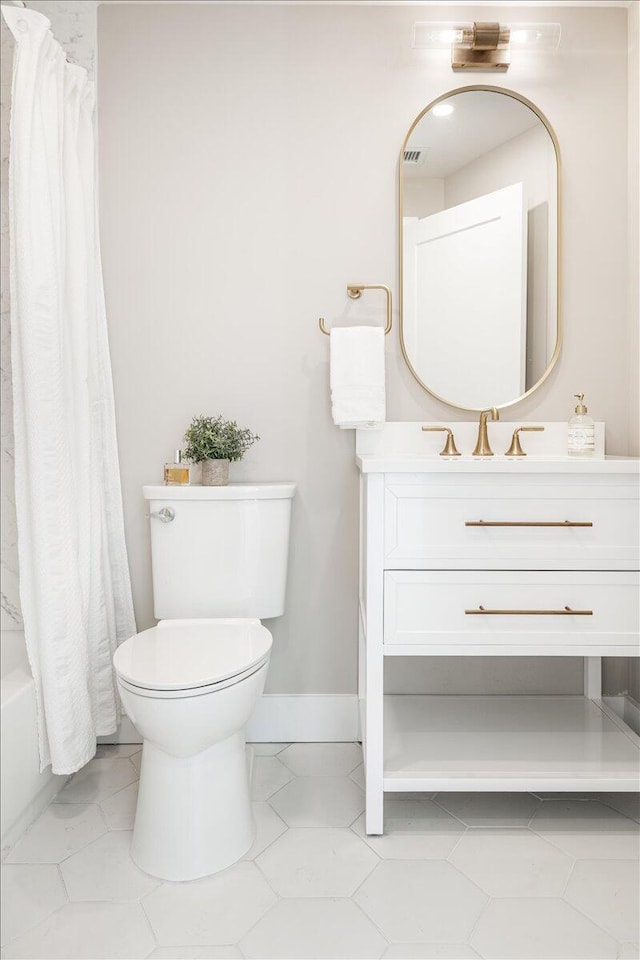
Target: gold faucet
(483, 447)
(515, 450)
(449, 449)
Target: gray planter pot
(215, 473)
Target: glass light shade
(433, 34)
(535, 36)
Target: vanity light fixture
(485, 45)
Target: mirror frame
(559, 335)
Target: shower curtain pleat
(75, 589)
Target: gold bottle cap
(581, 407)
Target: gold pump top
(581, 407)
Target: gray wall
(248, 167)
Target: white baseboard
(289, 719)
(285, 719)
(627, 709)
(325, 718)
(126, 733)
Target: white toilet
(219, 561)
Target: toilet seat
(186, 658)
(180, 694)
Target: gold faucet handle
(449, 449)
(515, 450)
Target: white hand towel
(357, 377)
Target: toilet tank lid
(282, 490)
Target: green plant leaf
(214, 438)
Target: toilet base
(193, 816)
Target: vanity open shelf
(552, 743)
(495, 557)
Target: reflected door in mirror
(483, 351)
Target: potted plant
(214, 442)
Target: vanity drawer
(489, 524)
(496, 608)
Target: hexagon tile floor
(454, 876)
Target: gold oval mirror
(479, 248)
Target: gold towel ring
(354, 292)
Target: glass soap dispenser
(177, 473)
(581, 439)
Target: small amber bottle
(177, 473)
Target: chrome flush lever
(165, 515)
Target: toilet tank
(219, 551)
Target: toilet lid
(182, 654)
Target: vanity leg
(374, 754)
(374, 657)
(593, 677)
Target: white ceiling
(478, 125)
(506, 4)
(501, 3)
(424, 3)
(459, 3)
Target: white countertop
(496, 464)
(402, 447)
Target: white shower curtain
(74, 578)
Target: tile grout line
(456, 845)
(49, 915)
(370, 919)
(333, 899)
(64, 859)
(613, 936)
(607, 803)
(558, 847)
(374, 867)
(470, 880)
(247, 859)
(62, 881)
(570, 874)
(535, 812)
(484, 909)
(147, 920)
(34, 927)
(442, 807)
(265, 877)
(264, 913)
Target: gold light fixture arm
(354, 292)
(449, 449)
(483, 47)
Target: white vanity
(515, 550)
(464, 556)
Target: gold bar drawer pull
(527, 523)
(565, 612)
